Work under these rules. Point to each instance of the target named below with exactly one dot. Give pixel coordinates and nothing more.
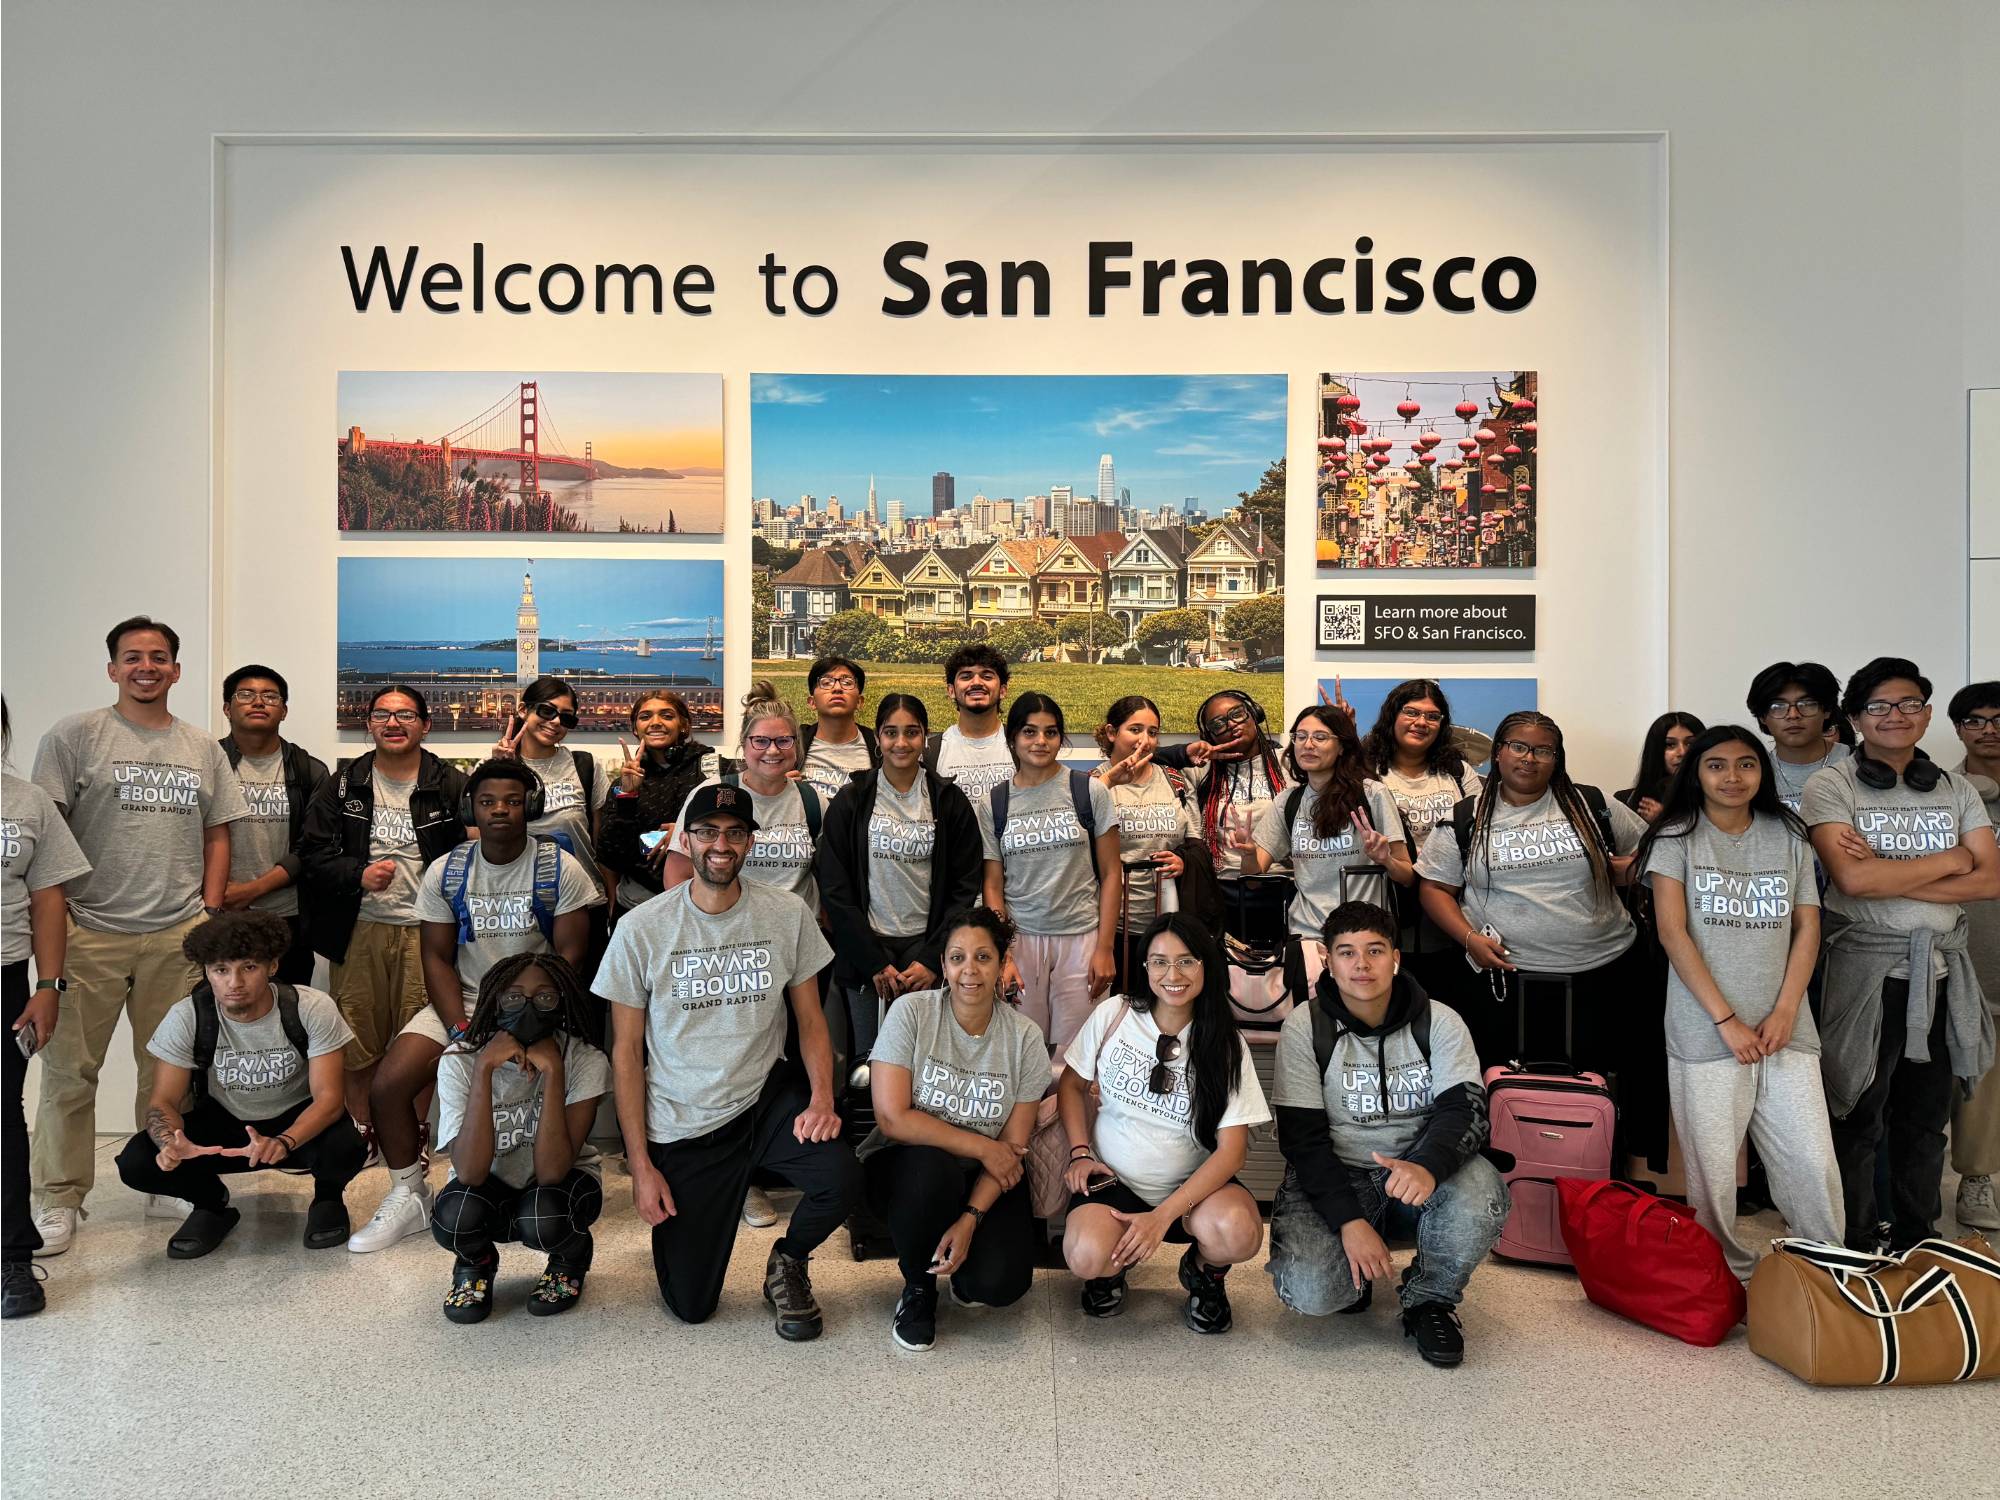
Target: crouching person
(516, 1098)
(257, 1065)
(1381, 1117)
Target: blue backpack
(542, 898)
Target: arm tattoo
(159, 1127)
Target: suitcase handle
(1521, 978)
(1552, 1068)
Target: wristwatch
(59, 984)
(978, 1215)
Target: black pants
(1901, 1115)
(920, 1191)
(333, 1156)
(296, 967)
(17, 1219)
(707, 1176)
(469, 1220)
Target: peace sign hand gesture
(1339, 699)
(1373, 842)
(508, 746)
(631, 773)
(1129, 769)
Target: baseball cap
(726, 801)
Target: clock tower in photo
(527, 633)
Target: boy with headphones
(1905, 845)
(510, 892)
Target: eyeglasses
(763, 742)
(1300, 737)
(257, 695)
(1527, 751)
(1781, 708)
(706, 833)
(1161, 1079)
(540, 999)
(1877, 708)
(564, 716)
(1187, 963)
(1422, 715)
(393, 716)
(1980, 723)
(1235, 718)
(841, 681)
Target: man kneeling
(1381, 1117)
(261, 1063)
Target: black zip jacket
(1455, 1132)
(668, 780)
(333, 850)
(958, 862)
(808, 731)
(303, 774)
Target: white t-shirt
(1147, 1138)
(781, 851)
(517, 1106)
(974, 764)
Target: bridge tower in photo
(527, 632)
(531, 441)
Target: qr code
(1342, 622)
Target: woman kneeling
(1176, 1097)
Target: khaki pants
(379, 986)
(108, 973)
(1975, 1129)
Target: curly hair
(237, 937)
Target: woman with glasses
(1176, 1097)
(1795, 702)
(1338, 818)
(516, 1098)
(573, 793)
(788, 811)
(958, 1079)
(653, 781)
(1661, 755)
(1158, 832)
(1050, 837)
(899, 855)
(1525, 878)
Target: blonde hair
(763, 702)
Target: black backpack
(1079, 796)
(1462, 816)
(1326, 1033)
(208, 1028)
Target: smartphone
(1486, 931)
(27, 1039)
(1095, 1185)
(652, 838)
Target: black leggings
(921, 1191)
(17, 1219)
(470, 1218)
(334, 1156)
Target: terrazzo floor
(267, 1369)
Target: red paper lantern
(1524, 407)
(1530, 428)
(1343, 475)
(1486, 434)
(1467, 410)
(1426, 458)
(1406, 408)
(1512, 450)
(1467, 445)
(1348, 402)
(1429, 440)
(1453, 464)
(1489, 489)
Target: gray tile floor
(267, 1369)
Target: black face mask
(528, 1023)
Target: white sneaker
(758, 1210)
(57, 1227)
(160, 1206)
(1975, 1208)
(404, 1212)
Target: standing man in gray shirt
(278, 780)
(150, 799)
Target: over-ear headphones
(1201, 713)
(538, 796)
(1920, 775)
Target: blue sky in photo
(1476, 702)
(1011, 436)
(474, 599)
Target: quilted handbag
(1048, 1148)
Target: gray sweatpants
(1780, 1104)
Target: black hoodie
(1454, 1127)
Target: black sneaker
(1434, 1325)
(471, 1296)
(1207, 1309)
(326, 1224)
(788, 1288)
(915, 1324)
(1362, 1303)
(1104, 1296)
(21, 1289)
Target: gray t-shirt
(37, 850)
(1361, 1115)
(1984, 916)
(1250, 793)
(138, 801)
(1539, 894)
(1317, 862)
(1792, 779)
(714, 992)
(973, 1082)
(392, 835)
(1740, 892)
(257, 1073)
(501, 901)
(781, 851)
(1898, 824)
(262, 838)
(1044, 854)
(563, 811)
(975, 764)
(902, 837)
(830, 767)
(517, 1106)
(1427, 800)
(1152, 819)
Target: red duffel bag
(1646, 1259)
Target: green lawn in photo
(1083, 691)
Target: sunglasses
(1161, 1079)
(564, 716)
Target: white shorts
(428, 1024)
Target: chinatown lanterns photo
(1486, 435)
(1524, 407)
(1467, 445)
(1467, 410)
(1407, 409)
(1347, 403)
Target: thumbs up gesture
(1408, 1182)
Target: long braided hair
(485, 1019)
(1568, 798)
(1218, 787)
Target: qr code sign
(1342, 622)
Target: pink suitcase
(1555, 1122)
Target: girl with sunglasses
(573, 792)
(516, 1098)
(1176, 1096)
(653, 782)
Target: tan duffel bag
(1834, 1316)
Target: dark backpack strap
(809, 800)
(1420, 1028)
(1086, 816)
(1326, 1035)
(586, 777)
(547, 888)
(1593, 798)
(996, 798)
(288, 1017)
(1293, 798)
(1462, 814)
(451, 885)
(207, 1028)
(931, 746)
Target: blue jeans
(1454, 1230)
